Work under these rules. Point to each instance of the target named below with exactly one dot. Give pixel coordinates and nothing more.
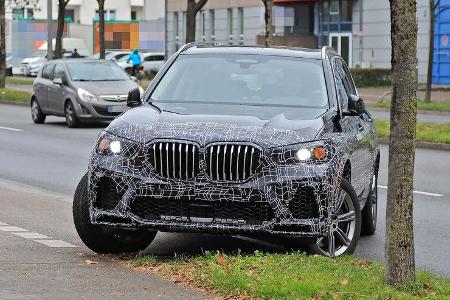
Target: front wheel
(71, 117)
(343, 232)
(95, 237)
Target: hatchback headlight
(86, 96)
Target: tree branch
(199, 5)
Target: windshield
(257, 80)
(94, 71)
(39, 53)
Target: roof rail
(195, 44)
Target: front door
(342, 44)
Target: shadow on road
(82, 125)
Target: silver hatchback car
(80, 89)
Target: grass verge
(19, 80)
(421, 105)
(426, 132)
(291, 275)
(14, 95)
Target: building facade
(358, 29)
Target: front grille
(231, 162)
(115, 98)
(167, 209)
(174, 160)
(107, 195)
(303, 205)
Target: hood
(31, 60)
(98, 88)
(143, 124)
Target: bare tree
(268, 5)
(101, 16)
(433, 5)
(399, 247)
(193, 7)
(60, 30)
(2, 44)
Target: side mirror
(134, 98)
(356, 105)
(58, 81)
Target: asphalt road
(40, 166)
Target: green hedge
(371, 77)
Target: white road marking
(11, 129)
(417, 192)
(55, 243)
(3, 224)
(30, 235)
(12, 228)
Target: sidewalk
(374, 94)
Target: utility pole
(49, 30)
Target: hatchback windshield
(245, 80)
(39, 53)
(94, 71)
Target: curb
(17, 103)
(422, 145)
(421, 111)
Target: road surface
(40, 166)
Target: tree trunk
(60, 30)
(268, 5)
(101, 15)
(399, 247)
(430, 52)
(192, 9)
(190, 21)
(2, 44)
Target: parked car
(112, 55)
(32, 65)
(81, 89)
(267, 141)
(151, 61)
(9, 71)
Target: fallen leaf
(220, 260)
(344, 281)
(90, 262)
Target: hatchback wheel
(345, 227)
(36, 113)
(370, 210)
(71, 117)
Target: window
(334, 7)
(230, 25)
(154, 58)
(47, 72)
(133, 15)
(212, 28)
(59, 72)
(202, 26)
(112, 14)
(342, 84)
(241, 24)
(30, 13)
(17, 13)
(347, 9)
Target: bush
(371, 77)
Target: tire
(346, 224)
(72, 120)
(36, 113)
(97, 238)
(370, 210)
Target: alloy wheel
(342, 228)
(69, 113)
(34, 110)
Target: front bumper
(292, 200)
(101, 110)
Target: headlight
(86, 96)
(311, 152)
(108, 146)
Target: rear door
(43, 87)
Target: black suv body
(238, 153)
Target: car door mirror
(58, 81)
(134, 98)
(356, 105)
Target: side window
(47, 72)
(341, 83)
(59, 72)
(351, 83)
